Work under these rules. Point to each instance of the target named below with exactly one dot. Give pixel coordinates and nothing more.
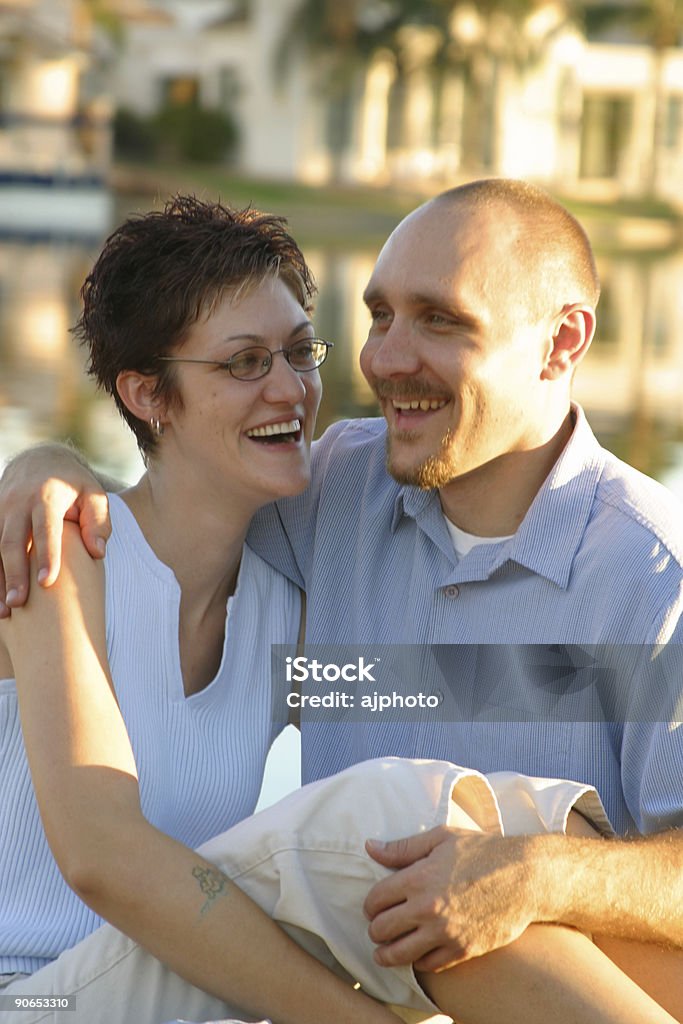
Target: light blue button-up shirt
(598, 560)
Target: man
(500, 522)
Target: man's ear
(137, 392)
(572, 334)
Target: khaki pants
(304, 862)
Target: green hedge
(192, 133)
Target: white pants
(304, 862)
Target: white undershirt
(464, 542)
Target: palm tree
(475, 42)
(489, 42)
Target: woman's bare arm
(139, 879)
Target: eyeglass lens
(255, 362)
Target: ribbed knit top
(200, 758)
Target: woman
(196, 282)
(185, 314)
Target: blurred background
(341, 115)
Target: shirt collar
(552, 530)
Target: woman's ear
(137, 391)
(573, 332)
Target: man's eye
(378, 316)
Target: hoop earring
(157, 427)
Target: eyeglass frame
(225, 364)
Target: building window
(180, 92)
(228, 87)
(605, 132)
(396, 112)
(339, 121)
(607, 333)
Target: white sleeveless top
(200, 758)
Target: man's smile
(423, 404)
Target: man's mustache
(412, 389)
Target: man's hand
(39, 489)
(456, 894)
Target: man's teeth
(424, 404)
(275, 428)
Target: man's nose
(393, 352)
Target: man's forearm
(58, 450)
(629, 889)
(455, 894)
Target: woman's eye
(245, 362)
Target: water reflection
(44, 392)
(631, 383)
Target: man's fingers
(438, 960)
(391, 925)
(95, 523)
(91, 513)
(47, 542)
(44, 531)
(422, 948)
(33, 503)
(390, 892)
(405, 950)
(4, 610)
(399, 853)
(13, 547)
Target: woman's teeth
(271, 429)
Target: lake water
(631, 383)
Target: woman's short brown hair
(159, 272)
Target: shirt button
(452, 590)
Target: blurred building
(55, 137)
(529, 97)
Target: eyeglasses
(256, 361)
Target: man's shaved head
(549, 250)
(481, 306)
